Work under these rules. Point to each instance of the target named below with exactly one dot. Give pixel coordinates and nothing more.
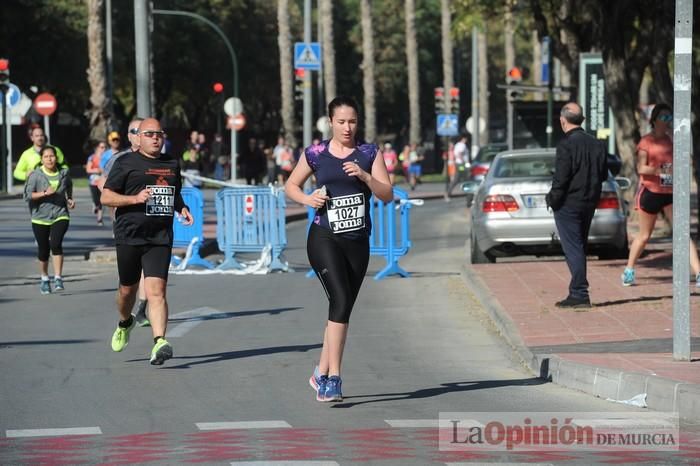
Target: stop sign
(45, 104)
(249, 204)
(236, 122)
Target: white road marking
(194, 316)
(243, 425)
(53, 432)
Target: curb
(662, 394)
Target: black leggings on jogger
(340, 265)
(49, 238)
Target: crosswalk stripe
(242, 425)
(53, 432)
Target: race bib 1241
(346, 213)
(162, 201)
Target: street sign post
(45, 104)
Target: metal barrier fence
(184, 235)
(390, 234)
(247, 220)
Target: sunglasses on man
(665, 118)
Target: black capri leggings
(96, 193)
(340, 265)
(50, 238)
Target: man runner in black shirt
(145, 187)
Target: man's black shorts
(131, 260)
(653, 203)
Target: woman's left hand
(71, 203)
(353, 169)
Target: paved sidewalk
(620, 348)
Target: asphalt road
(237, 389)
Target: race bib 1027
(162, 201)
(346, 213)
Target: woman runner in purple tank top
(348, 173)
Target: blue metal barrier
(390, 235)
(247, 220)
(183, 235)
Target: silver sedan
(509, 216)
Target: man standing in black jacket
(580, 169)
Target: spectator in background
(405, 162)
(191, 165)
(219, 150)
(114, 143)
(193, 141)
(461, 164)
(92, 168)
(415, 168)
(207, 164)
(391, 160)
(253, 163)
(31, 158)
(271, 166)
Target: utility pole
(143, 71)
(682, 144)
(307, 78)
(475, 92)
(108, 53)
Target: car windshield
(524, 166)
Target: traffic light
(515, 77)
(299, 84)
(440, 100)
(218, 88)
(454, 101)
(4, 73)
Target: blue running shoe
(58, 284)
(334, 391)
(45, 287)
(627, 277)
(314, 379)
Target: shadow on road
(227, 315)
(10, 344)
(221, 357)
(443, 389)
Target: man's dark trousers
(573, 225)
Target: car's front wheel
(477, 256)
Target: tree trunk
(447, 62)
(483, 85)
(414, 135)
(99, 112)
(284, 43)
(537, 64)
(326, 13)
(368, 82)
(508, 35)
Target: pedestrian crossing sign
(307, 55)
(447, 124)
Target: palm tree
(326, 18)
(285, 49)
(368, 70)
(447, 66)
(100, 118)
(412, 62)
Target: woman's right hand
(317, 199)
